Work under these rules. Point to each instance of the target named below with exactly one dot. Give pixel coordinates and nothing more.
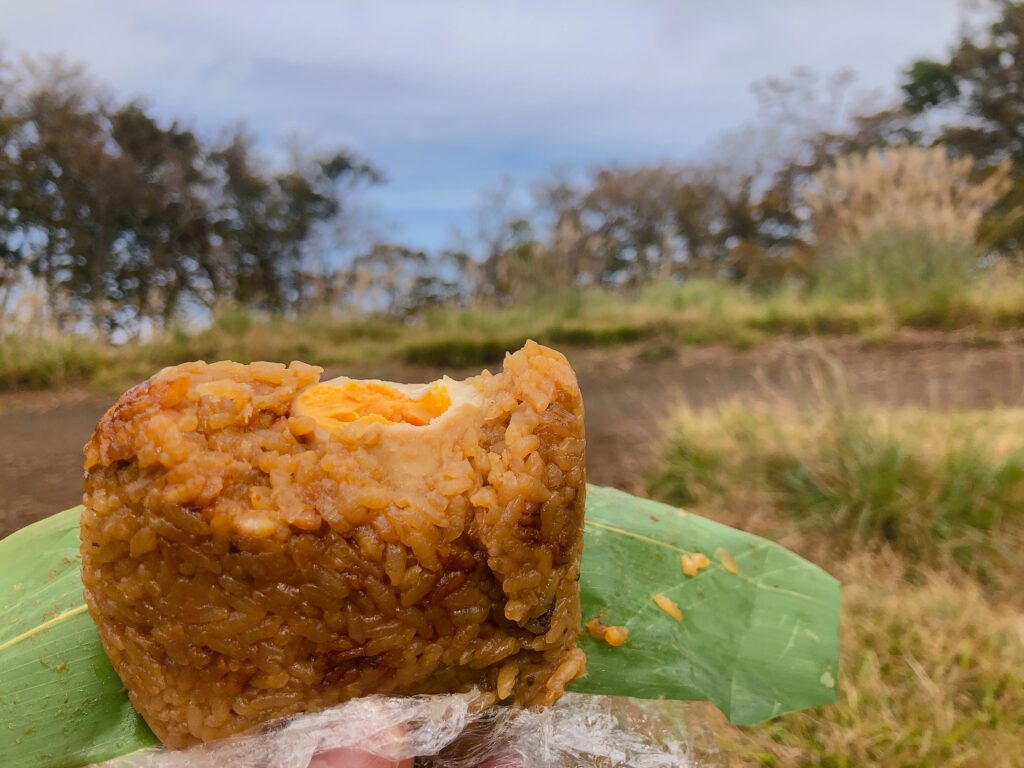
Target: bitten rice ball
(257, 544)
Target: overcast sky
(449, 96)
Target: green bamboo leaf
(758, 643)
(61, 703)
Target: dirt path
(628, 400)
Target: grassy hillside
(659, 318)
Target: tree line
(127, 221)
(753, 220)
(123, 219)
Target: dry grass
(884, 190)
(920, 516)
(900, 225)
(662, 317)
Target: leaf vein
(637, 536)
(70, 613)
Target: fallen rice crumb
(596, 629)
(668, 606)
(614, 636)
(689, 567)
(727, 560)
(691, 564)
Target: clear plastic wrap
(448, 731)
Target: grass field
(920, 516)
(660, 318)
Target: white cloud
(450, 95)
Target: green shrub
(657, 351)
(459, 352)
(691, 471)
(597, 336)
(935, 487)
(36, 362)
(235, 322)
(711, 296)
(904, 267)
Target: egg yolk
(365, 401)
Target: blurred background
(780, 242)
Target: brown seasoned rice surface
(243, 564)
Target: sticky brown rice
(242, 563)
